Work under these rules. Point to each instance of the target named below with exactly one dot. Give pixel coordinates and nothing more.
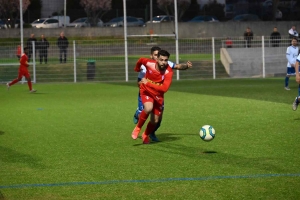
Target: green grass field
(73, 141)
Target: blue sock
(137, 112)
(299, 90)
(287, 81)
(157, 126)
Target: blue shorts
(290, 71)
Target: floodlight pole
(65, 13)
(21, 25)
(176, 35)
(125, 40)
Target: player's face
(26, 51)
(162, 62)
(154, 55)
(294, 42)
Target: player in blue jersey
(291, 55)
(153, 55)
(297, 99)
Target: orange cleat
(135, 132)
(146, 139)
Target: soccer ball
(207, 133)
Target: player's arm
(139, 63)
(297, 70)
(24, 61)
(160, 88)
(183, 66)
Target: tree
(214, 8)
(168, 6)
(95, 9)
(10, 9)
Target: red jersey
(158, 81)
(24, 61)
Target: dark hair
(294, 38)
(155, 48)
(25, 48)
(163, 53)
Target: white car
(45, 23)
(84, 22)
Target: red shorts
(23, 72)
(157, 101)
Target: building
(49, 7)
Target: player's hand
(298, 79)
(189, 64)
(143, 81)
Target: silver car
(45, 23)
(84, 22)
(119, 22)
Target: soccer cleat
(135, 118)
(287, 88)
(295, 104)
(32, 91)
(135, 132)
(7, 85)
(145, 138)
(153, 137)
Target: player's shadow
(165, 137)
(1, 132)
(8, 155)
(2, 196)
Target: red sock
(29, 85)
(150, 128)
(143, 117)
(13, 82)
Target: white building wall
(51, 6)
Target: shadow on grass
(1, 132)
(268, 89)
(2, 196)
(11, 156)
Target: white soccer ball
(207, 133)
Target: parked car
(45, 23)
(3, 24)
(161, 18)
(61, 20)
(84, 22)
(245, 17)
(204, 19)
(119, 22)
(17, 23)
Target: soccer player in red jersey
(23, 71)
(156, 82)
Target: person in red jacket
(153, 86)
(23, 71)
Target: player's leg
(28, 78)
(152, 134)
(150, 128)
(138, 110)
(297, 99)
(148, 107)
(290, 71)
(20, 75)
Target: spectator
(62, 43)
(293, 33)
(29, 45)
(275, 37)
(248, 37)
(18, 52)
(43, 46)
(228, 42)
